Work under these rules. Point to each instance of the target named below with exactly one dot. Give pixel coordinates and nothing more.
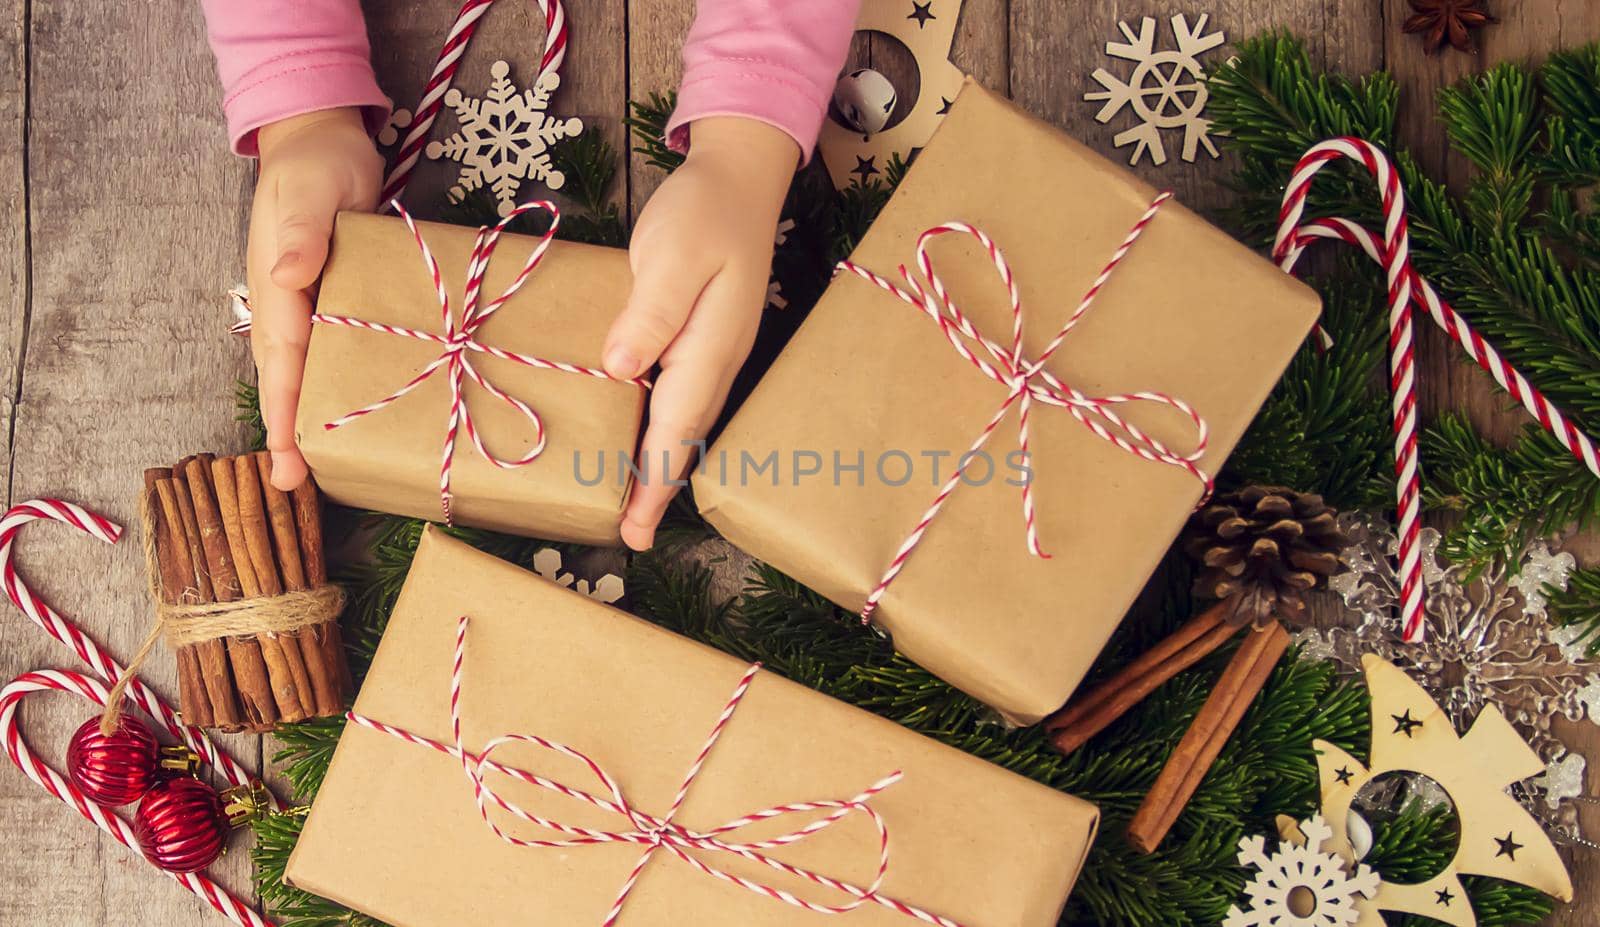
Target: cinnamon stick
(216, 676)
(258, 544)
(280, 513)
(192, 701)
(308, 525)
(1094, 711)
(220, 535)
(1242, 680)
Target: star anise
(1446, 20)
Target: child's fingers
(280, 330)
(305, 211)
(696, 374)
(666, 283)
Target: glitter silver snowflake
(1489, 642)
(505, 137)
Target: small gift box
(999, 444)
(454, 374)
(523, 754)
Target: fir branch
(648, 123)
(1534, 488)
(1579, 605)
(247, 412)
(306, 750)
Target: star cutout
(1405, 724)
(864, 167)
(1444, 896)
(1508, 846)
(1344, 775)
(921, 13)
(944, 106)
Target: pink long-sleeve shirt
(771, 60)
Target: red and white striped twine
(662, 833)
(458, 341)
(1407, 288)
(1027, 380)
(444, 71)
(96, 690)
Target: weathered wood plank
(655, 65)
(13, 204)
(134, 211)
(1053, 57)
(406, 38)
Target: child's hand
(701, 255)
(312, 166)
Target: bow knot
(458, 343)
(1026, 379)
(663, 833)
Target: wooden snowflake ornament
(505, 137)
(928, 29)
(607, 589)
(1301, 884)
(1411, 733)
(1166, 90)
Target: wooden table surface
(126, 220)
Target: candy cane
(1407, 288)
(444, 71)
(56, 784)
(88, 650)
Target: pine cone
(1264, 547)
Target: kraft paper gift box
(395, 831)
(390, 459)
(1189, 312)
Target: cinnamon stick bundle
(222, 533)
(1240, 683)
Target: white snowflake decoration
(1167, 89)
(606, 589)
(1327, 891)
(399, 120)
(1488, 642)
(505, 137)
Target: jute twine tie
(185, 623)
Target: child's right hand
(312, 166)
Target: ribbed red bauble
(113, 769)
(180, 825)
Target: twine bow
(663, 833)
(459, 341)
(1026, 380)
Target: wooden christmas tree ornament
(928, 29)
(1499, 839)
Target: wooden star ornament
(1411, 733)
(1441, 21)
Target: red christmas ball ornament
(180, 825)
(116, 768)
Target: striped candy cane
(444, 71)
(98, 659)
(1407, 289)
(96, 689)
(662, 833)
(1027, 380)
(58, 785)
(459, 344)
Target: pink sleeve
(281, 58)
(771, 60)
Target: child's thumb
(302, 239)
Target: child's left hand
(701, 255)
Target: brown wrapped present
(390, 458)
(833, 490)
(395, 831)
